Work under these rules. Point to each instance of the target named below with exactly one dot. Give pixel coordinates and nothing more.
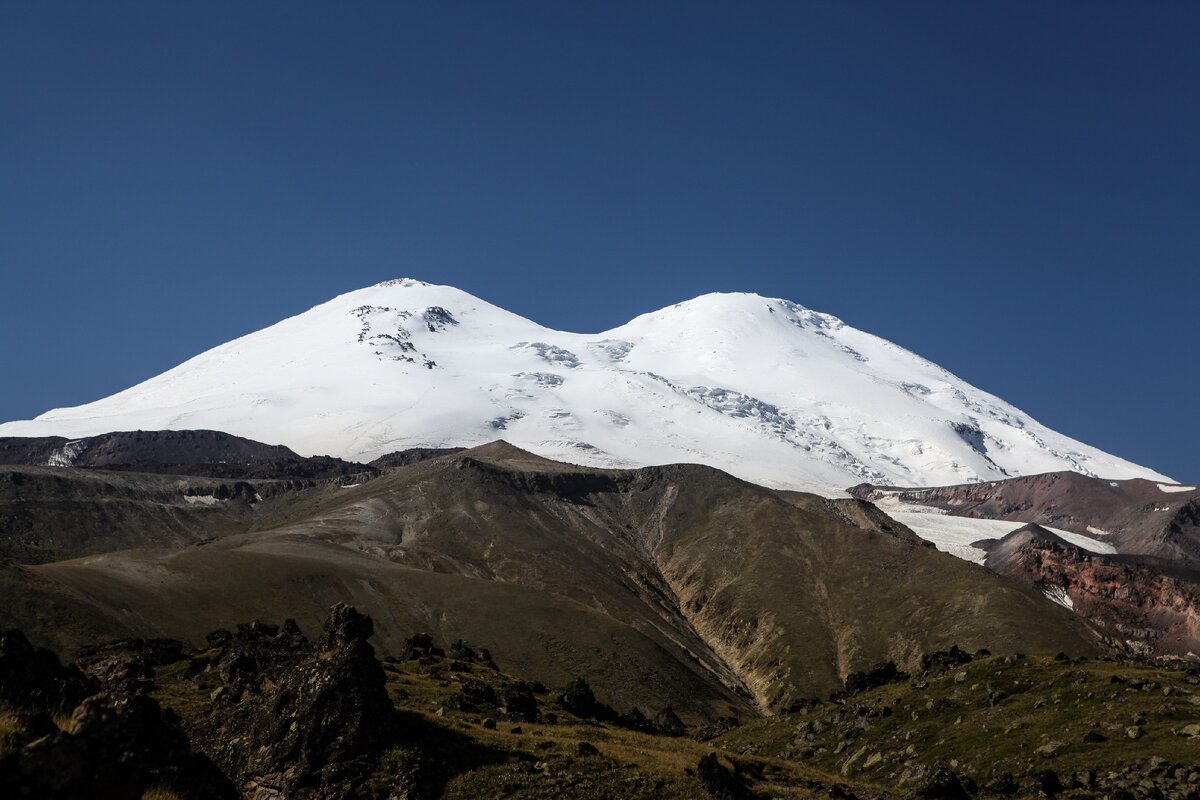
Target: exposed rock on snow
(764, 388)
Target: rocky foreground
(264, 712)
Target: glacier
(760, 387)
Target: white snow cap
(761, 387)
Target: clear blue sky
(1010, 189)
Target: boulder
(517, 701)
(942, 784)
(718, 782)
(668, 723)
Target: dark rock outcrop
(668, 722)
(719, 783)
(579, 699)
(197, 452)
(879, 675)
(118, 742)
(33, 679)
(943, 784)
(306, 725)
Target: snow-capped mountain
(766, 389)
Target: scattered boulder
(718, 782)
(579, 699)
(881, 674)
(474, 696)
(1045, 783)
(668, 723)
(419, 646)
(942, 784)
(517, 701)
(944, 659)
(1051, 749)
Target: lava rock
(316, 721)
(33, 679)
(474, 696)
(881, 674)
(718, 782)
(942, 784)
(579, 699)
(518, 702)
(668, 723)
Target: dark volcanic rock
(580, 701)
(32, 678)
(115, 748)
(943, 784)
(128, 664)
(474, 696)
(199, 452)
(119, 743)
(402, 458)
(878, 675)
(420, 645)
(517, 702)
(942, 659)
(310, 729)
(718, 782)
(668, 723)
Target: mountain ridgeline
(678, 584)
(760, 387)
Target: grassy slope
(947, 717)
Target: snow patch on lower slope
(956, 535)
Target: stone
(942, 784)
(668, 723)
(1051, 749)
(306, 716)
(718, 782)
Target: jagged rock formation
(116, 744)
(299, 720)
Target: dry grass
(160, 794)
(11, 733)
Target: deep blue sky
(1009, 189)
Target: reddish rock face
(1133, 599)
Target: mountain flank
(678, 583)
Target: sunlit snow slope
(764, 388)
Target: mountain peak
(760, 387)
